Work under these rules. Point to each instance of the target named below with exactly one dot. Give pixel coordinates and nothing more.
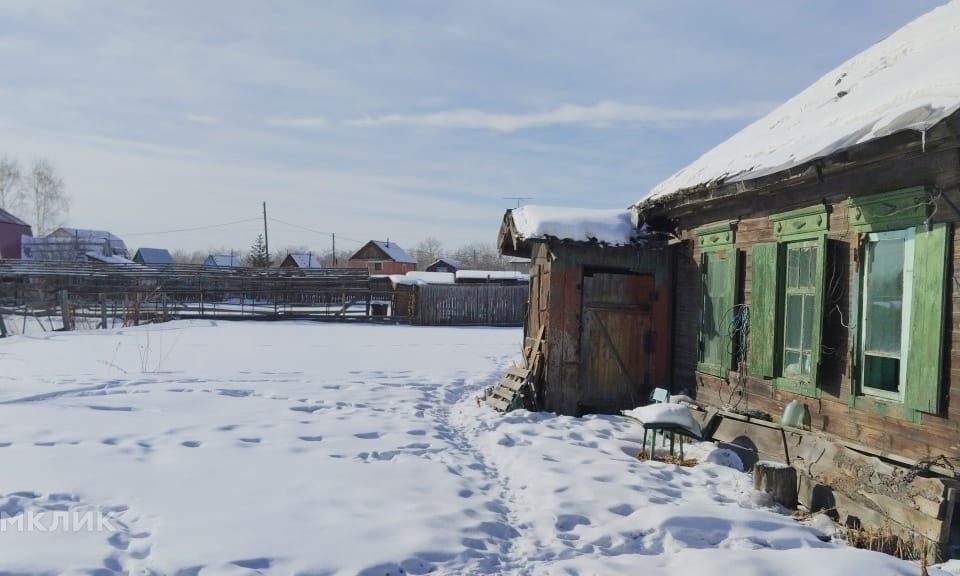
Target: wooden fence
(477, 304)
(55, 296)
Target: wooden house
(302, 261)
(445, 264)
(223, 261)
(816, 263)
(599, 301)
(155, 256)
(11, 231)
(383, 257)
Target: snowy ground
(299, 448)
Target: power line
(195, 228)
(277, 220)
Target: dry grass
(884, 540)
(668, 458)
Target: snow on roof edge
(907, 81)
(609, 226)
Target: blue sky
(397, 119)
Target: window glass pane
(791, 363)
(793, 267)
(793, 337)
(884, 296)
(808, 267)
(882, 373)
(807, 330)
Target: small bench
(664, 418)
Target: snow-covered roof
(451, 262)
(114, 259)
(153, 256)
(84, 233)
(422, 278)
(395, 252)
(578, 224)
(223, 261)
(908, 81)
(8, 218)
(492, 275)
(307, 260)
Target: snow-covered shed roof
(577, 224)
(8, 218)
(112, 259)
(223, 261)
(395, 252)
(306, 260)
(422, 278)
(908, 81)
(468, 275)
(153, 256)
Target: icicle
(923, 140)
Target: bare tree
(427, 252)
(11, 190)
(479, 256)
(46, 196)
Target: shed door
(617, 321)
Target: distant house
(223, 261)
(153, 256)
(383, 257)
(302, 260)
(11, 229)
(445, 265)
(105, 242)
(72, 245)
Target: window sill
(889, 408)
(807, 389)
(712, 370)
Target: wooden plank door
(616, 320)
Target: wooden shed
(817, 264)
(601, 302)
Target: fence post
(103, 312)
(65, 310)
(3, 328)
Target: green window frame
(787, 300)
(912, 386)
(718, 274)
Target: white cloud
(600, 115)
(305, 122)
(204, 119)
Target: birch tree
(11, 189)
(46, 196)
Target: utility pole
(334, 237)
(266, 239)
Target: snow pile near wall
(908, 81)
(577, 224)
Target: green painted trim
(889, 211)
(809, 389)
(711, 369)
(805, 223)
(717, 236)
(885, 408)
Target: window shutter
(818, 305)
(763, 309)
(928, 306)
(730, 299)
